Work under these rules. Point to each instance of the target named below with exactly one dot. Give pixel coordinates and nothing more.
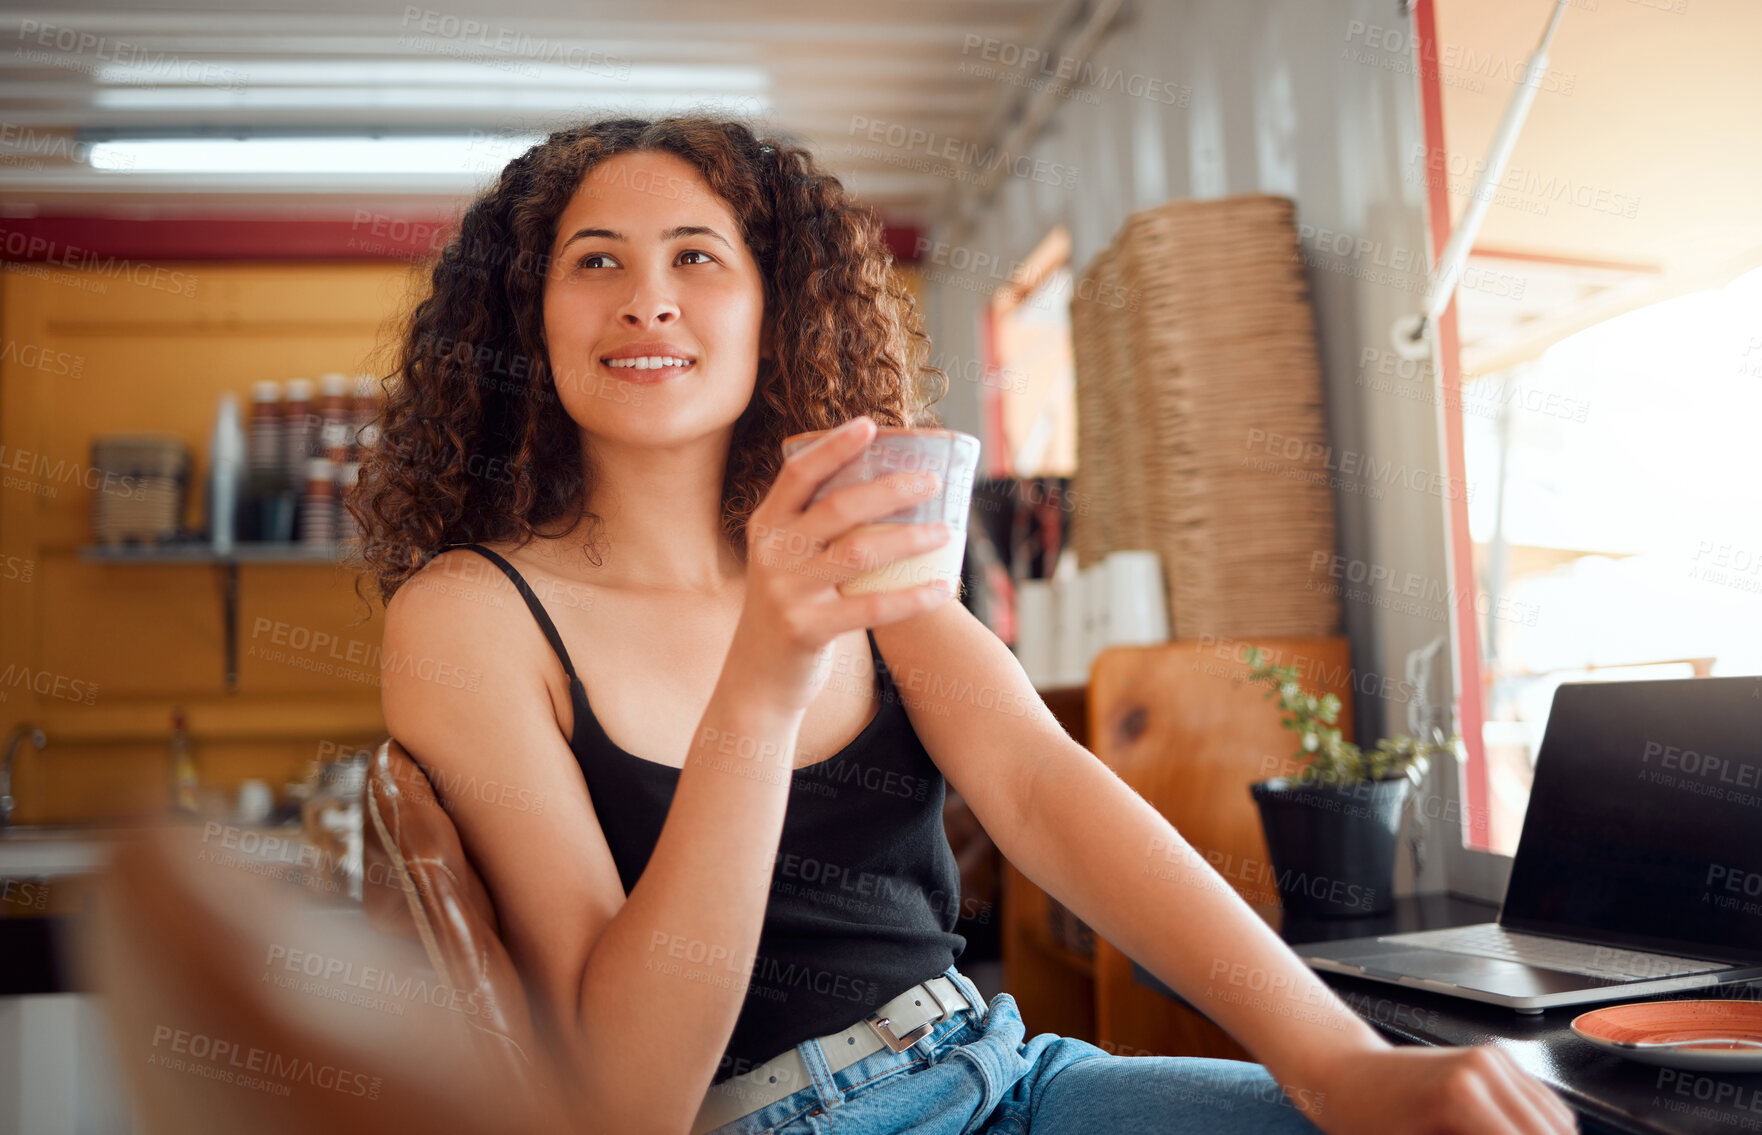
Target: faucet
(19, 733)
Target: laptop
(1639, 869)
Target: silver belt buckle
(883, 1029)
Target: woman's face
(649, 265)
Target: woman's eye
(588, 260)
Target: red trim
(368, 235)
(1471, 705)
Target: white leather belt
(897, 1025)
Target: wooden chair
(1180, 723)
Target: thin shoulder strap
(537, 608)
(880, 662)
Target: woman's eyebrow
(668, 234)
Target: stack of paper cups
(1137, 604)
(1062, 623)
(1037, 631)
(1072, 643)
(1095, 614)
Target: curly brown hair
(474, 443)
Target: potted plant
(1332, 830)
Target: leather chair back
(418, 882)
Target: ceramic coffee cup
(951, 455)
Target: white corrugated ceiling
(827, 74)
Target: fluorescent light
(480, 154)
(600, 72)
(537, 99)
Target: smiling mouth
(650, 362)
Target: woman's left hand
(1437, 1091)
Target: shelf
(246, 552)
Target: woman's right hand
(798, 555)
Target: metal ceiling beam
(1074, 30)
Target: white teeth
(648, 362)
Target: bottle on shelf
(183, 766)
(347, 477)
(226, 475)
(365, 412)
(299, 435)
(335, 420)
(265, 439)
(318, 508)
(271, 495)
(299, 428)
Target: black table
(1610, 1094)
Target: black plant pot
(1333, 848)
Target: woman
(747, 927)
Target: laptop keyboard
(1584, 958)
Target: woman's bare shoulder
(450, 595)
(451, 623)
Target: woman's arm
(677, 960)
(1122, 868)
(1082, 834)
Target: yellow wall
(90, 352)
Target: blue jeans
(983, 1075)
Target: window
(1603, 378)
(1030, 404)
(1617, 522)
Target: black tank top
(864, 892)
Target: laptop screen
(1644, 826)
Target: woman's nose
(648, 304)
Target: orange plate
(1706, 1036)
